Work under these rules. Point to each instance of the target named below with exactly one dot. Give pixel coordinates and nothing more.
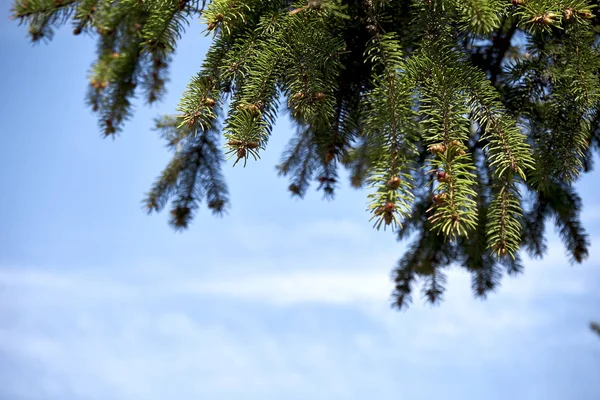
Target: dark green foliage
(468, 120)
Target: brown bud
(437, 148)
(253, 108)
(568, 13)
(389, 207)
(394, 183)
(439, 198)
(585, 13)
(454, 217)
(298, 96)
(234, 142)
(518, 2)
(548, 18)
(77, 31)
(388, 218)
(455, 143)
(356, 182)
(443, 176)
(252, 145)
(241, 153)
(219, 17)
(104, 31)
(319, 96)
(209, 102)
(211, 26)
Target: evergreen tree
(468, 121)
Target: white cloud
(307, 325)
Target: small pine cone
(211, 26)
(394, 183)
(438, 148)
(388, 218)
(443, 176)
(252, 145)
(389, 207)
(219, 17)
(209, 102)
(455, 143)
(241, 153)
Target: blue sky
(280, 299)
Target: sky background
(280, 299)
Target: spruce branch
(450, 111)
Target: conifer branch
(431, 102)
